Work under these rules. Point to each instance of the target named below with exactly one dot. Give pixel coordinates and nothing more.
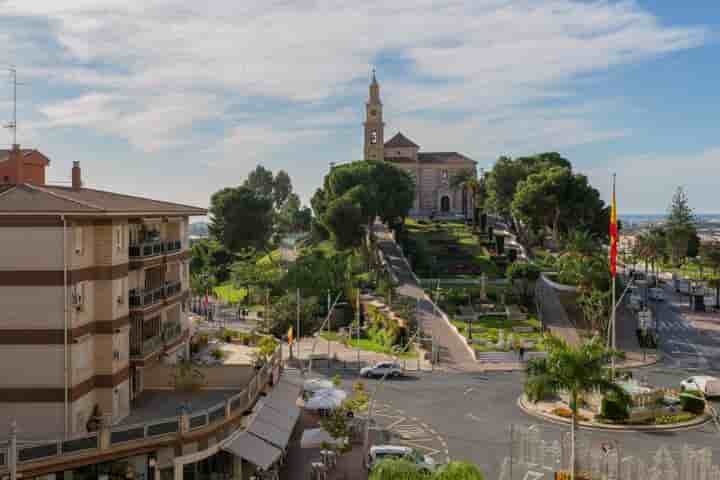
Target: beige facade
(432, 171)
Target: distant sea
(636, 218)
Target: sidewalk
(298, 463)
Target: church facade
(432, 171)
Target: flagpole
(613, 267)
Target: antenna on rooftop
(13, 124)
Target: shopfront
(139, 467)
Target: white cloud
(151, 71)
(645, 183)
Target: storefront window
(217, 467)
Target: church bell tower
(374, 125)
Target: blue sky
(174, 100)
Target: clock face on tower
(373, 137)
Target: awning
(254, 450)
(270, 432)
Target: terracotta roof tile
(56, 199)
(444, 157)
(400, 141)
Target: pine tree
(680, 225)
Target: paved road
(453, 353)
(683, 345)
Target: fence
(108, 438)
(541, 452)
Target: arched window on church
(444, 174)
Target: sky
(175, 100)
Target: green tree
(283, 314)
(362, 191)
(345, 221)
(506, 175)
(241, 218)
(458, 471)
(680, 226)
(282, 188)
(261, 181)
(578, 371)
(397, 469)
(292, 217)
(467, 181)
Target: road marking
(468, 390)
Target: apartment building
(92, 287)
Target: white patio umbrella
(312, 385)
(315, 437)
(327, 399)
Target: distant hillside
(199, 228)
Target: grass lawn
(453, 245)
(227, 292)
(488, 329)
(367, 345)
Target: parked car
(382, 368)
(710, 386)
(657, 294)
(382, 452)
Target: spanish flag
(613, 233)
(290, 336)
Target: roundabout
(537, 411)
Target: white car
(657, 294)
(381, 369)
(710, 386)
(382, 452)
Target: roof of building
(444, 157)
(400, 141)
(28, 153)
(46, 199)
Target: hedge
(613, 410)
(691, 403)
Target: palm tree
(467, 181)
(578, 371)
(580, 242)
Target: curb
(691, 425)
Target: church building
(432, 171)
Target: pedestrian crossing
(678, 325)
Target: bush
(612, 409)
(677, 418)
(691, 403)
(218, 354)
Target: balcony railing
(173, 246)
(153, 248)
(172, 288)
(146, 249)
(144, 297)
(171, 332)
(151, 345)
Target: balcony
(172, 288)
(146, 249)
(147, 347)
(144, 297)
(173, 246)
(171, 332)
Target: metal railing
(154, 248)
(173, 246)
(172, 288)
(144, 297)
(147, 347)
(171, 331)
(123, 434)
(146, 249)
